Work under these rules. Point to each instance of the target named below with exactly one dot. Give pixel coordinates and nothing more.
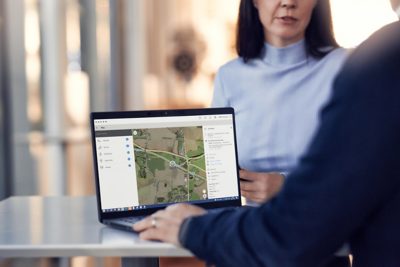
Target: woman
(287, 61)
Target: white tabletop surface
(65, 227)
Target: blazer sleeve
(348, 173)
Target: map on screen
(170, 164)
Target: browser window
(153, 162)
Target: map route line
(170, 170)
(197, 157)
(197, 167)
(178, 166)
(166, 152)
(152, 152)
(155, 150)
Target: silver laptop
(147, 160)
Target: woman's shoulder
(331, 63)
(235, 66)
(333, 60)
(338, 54)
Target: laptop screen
(167, 157)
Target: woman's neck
(282, 42)
(283, 56)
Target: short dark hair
(250, 33)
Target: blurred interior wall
(186, 42)
(24, 178)
(67, 57)
(127, 54)
(53, 61)
(135, 42)
(89, 51)
(5, 147)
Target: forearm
(248, 238)
(205, 238)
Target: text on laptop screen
(146, 162)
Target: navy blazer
(345, 189)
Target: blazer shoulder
(380, 46)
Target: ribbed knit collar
(285, 56)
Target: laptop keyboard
(131, 219)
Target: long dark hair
(250, 33)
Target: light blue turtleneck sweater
(276, 99)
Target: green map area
(170, 164)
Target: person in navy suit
(346, 187)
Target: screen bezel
(158, 113)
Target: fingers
(159, 232)
(260, 187)
(254, 196)
(164, 224)
(254, 186)
(159, 226)
(183, 210)
(254, 191)
(247, 175)
(246, 178)
(247, 186)
(253, 176)
(148, 222)
(178, 207)
(143, 224)
(150, 234)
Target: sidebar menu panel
(117, 173)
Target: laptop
(147, 160)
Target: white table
(67, 227)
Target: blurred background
(61, 59)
